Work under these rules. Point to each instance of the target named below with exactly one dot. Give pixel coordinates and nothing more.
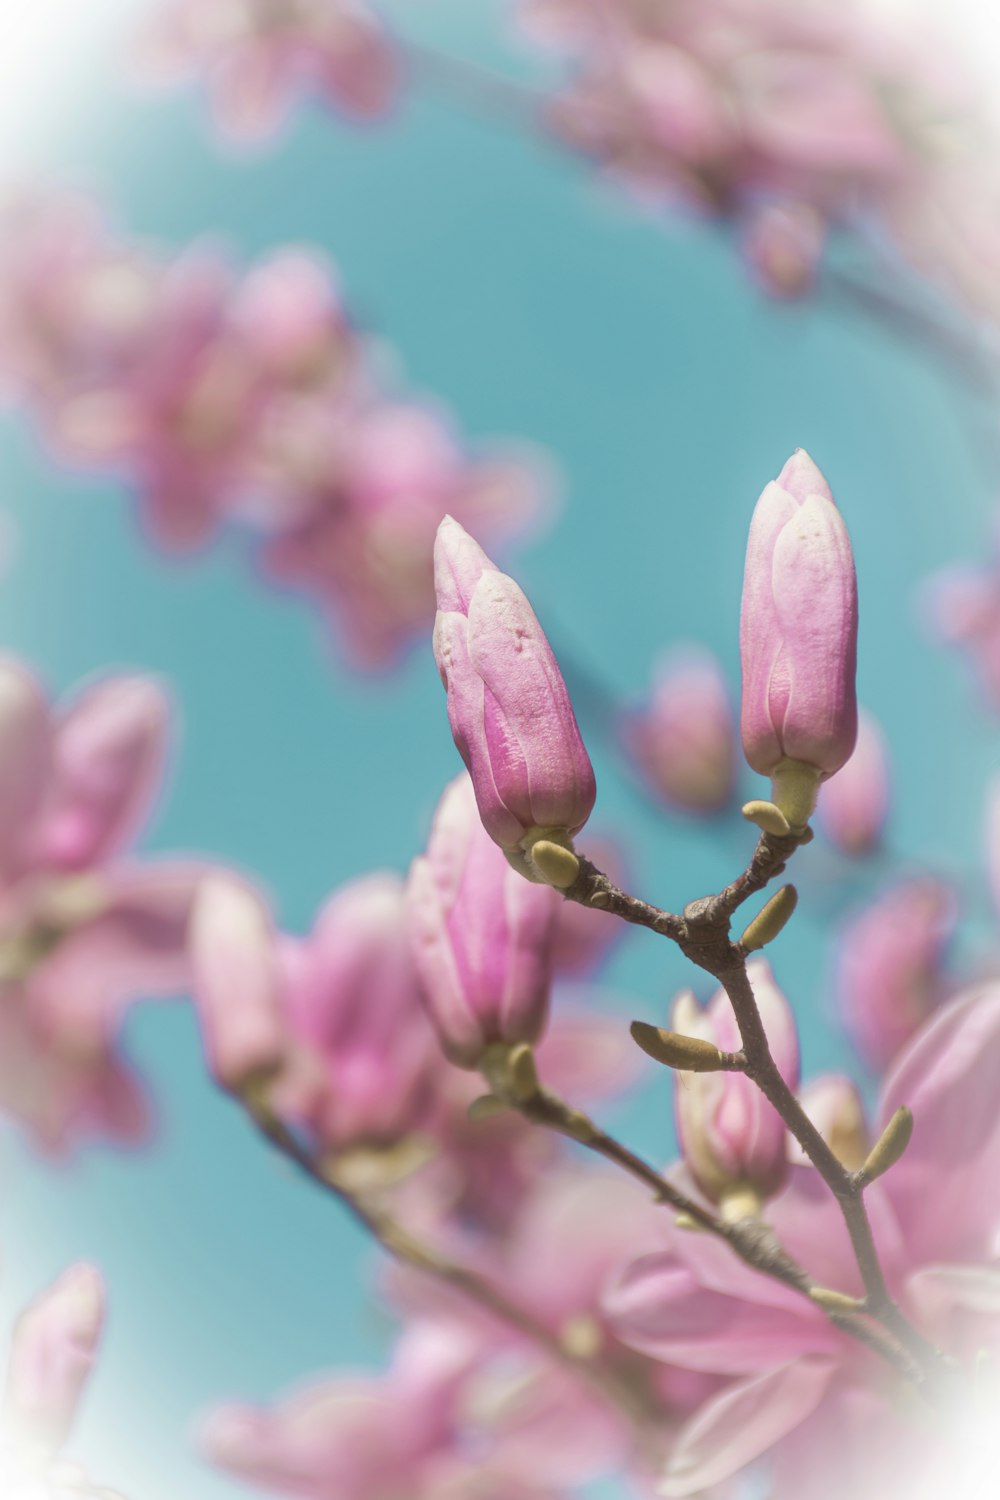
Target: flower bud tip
(558, 865)
(889, 1147)
(689, 1054)
(770, 920)
(833, 1301)
(768, 818)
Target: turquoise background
(537, 304)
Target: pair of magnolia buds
(514, 725)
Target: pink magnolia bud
(289, 311)
(353, 997)
(483, 938)
(684, 741)
(236, 983)
(510, 713)
(108, 755)
(854, 804)
(835, 1107)
(51, 1356)
(888, 975)
(783, 245)
(732, 1139)
(798, 637)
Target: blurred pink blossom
(854, 804)
(331, 1024)
(259, 56)
(783, 244)
(447, 1421)
(733, 1140)
(684, 740)
(84, 932)
(483, 937)
(222, 396)
(797, 1388)
(963, 607)
(889, 969)
(785, 121)
(52, 1353)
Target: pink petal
(742, 1422)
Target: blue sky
(539, 306)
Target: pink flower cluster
(259, 55)
(557, 1325)
(468, 1409)
(85, 929)
(338, 1029)
(794, 1389)
(219, 396)
(785, 119)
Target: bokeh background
(635, 351)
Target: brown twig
(510, 1073)
(478, 89)
(702, 933)
(399, 1243)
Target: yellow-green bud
(889, 1147)
(770, 920)
(690, 1054)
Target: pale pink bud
(353, 996)
(783, 245)
(733, 1140)
(854, 804)
(289, 311)
(684, 740)
(798, 627)
(889, 973)
(108, 756)
(510, 713)
(683, 111)
(835, 1107)
(483, 938)
(236, 982)
(51, 1356)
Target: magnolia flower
(733, 1140)
(52, 1352)
(889, 971)
(259, 55)
(483, 938)
(84, 931)
(329, 1029)
(446, 1421)
(221, 395)
(683, 741)
(236, 984)
(509, 710)
(363, 496)
(798, 638)
(800, 1394)
(854, 804)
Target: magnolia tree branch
(511, 1075)
(403, 1247)
(703, 935)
